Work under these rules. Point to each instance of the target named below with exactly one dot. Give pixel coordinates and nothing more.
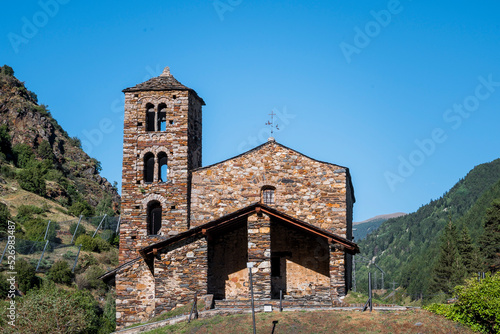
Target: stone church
(190, 229)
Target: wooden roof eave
(227, 220)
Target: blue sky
(404, 93)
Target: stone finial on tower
(166, 72)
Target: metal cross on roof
(271, 123)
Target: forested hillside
(408, 248)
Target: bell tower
(161, 144)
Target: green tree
(88, 243)
(33, 179)
(448, 270)
(469, 252)
(24, 155)
(7, 70)
(45, 151)
(105, 206)
(81, 207)
(490, 242)
(5, 143)
(60, 272)
(26, 277)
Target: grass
(414, 321)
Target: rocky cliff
(73, 173)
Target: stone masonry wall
(183, 122)
(259, 252)
(227, 263)
(310, 190)
(307, 262)
(180, 272)
(135, 294)
(337, 275)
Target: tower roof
(164, 82)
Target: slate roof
(235, 217)
(165, 81)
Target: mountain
(38, 156)
(361, 229)
(406, 247)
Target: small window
(162, 167)
(149, 167)
(154, 217)
(150, 117)
(268, 195)
(162, 117)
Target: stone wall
(305, 258)
(259, 252)
(181, 142)
(135, 294)
(227, 263)
(313, 191)
(180, 272)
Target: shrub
(108, 320)
(102, 245)
(33, 179)
(88, 243)
(81, 230)
(75, 141)
(81, 207)
(60, 272)
(26, 277)
(55, 175)
(110, 257)
(90, 279)
(25, 212)
(7, 171)
(86, 261)
(477, 305)
(69, 255)
(36, 229)
(55, 310)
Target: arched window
(267, 195)
(162, 117)
(149, 167)
(162, 167)
(154, 217)
(150, 117)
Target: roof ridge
(164, 82)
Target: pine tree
(469, 253)
(490, 242)
(449, 270)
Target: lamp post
(250, 266)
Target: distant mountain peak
(380, 217)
